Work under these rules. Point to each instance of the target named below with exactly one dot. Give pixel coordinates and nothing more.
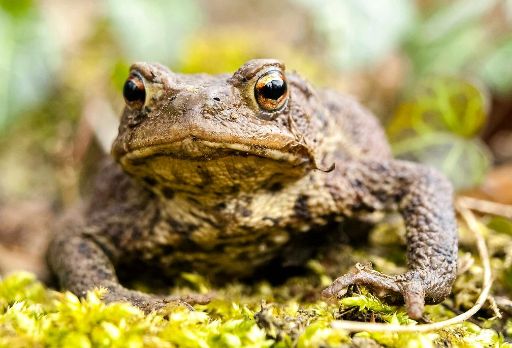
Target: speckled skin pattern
(206, 181)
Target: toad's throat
(204, 168)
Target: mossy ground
(259, 315)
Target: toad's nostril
(216, 98)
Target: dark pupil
(133, 92)
(274, 89)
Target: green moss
(263, 315)
(32, 316)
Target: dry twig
(486, 207)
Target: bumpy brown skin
(207, 181)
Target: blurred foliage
(225, 52)
(29, 57)
(220, 53)
(463, 37)
(501, 225)
(439, 126)
(153, 30)
(442, 105)
(358, 33)
(449, 37)
(497, 70)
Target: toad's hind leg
(82, 265)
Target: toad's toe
(392, 289)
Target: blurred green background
(432, 70)
(437, 73)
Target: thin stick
(476, 228)
(487, 207)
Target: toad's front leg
(424, 198)
(81, 265)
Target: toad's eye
(134, 92)
(271, 91)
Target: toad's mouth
(195, 149)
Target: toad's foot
(149, 303)
(408, 287)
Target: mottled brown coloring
(207, 180)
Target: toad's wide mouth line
(203, 150)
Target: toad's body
(222, 174)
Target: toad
(220, 174)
